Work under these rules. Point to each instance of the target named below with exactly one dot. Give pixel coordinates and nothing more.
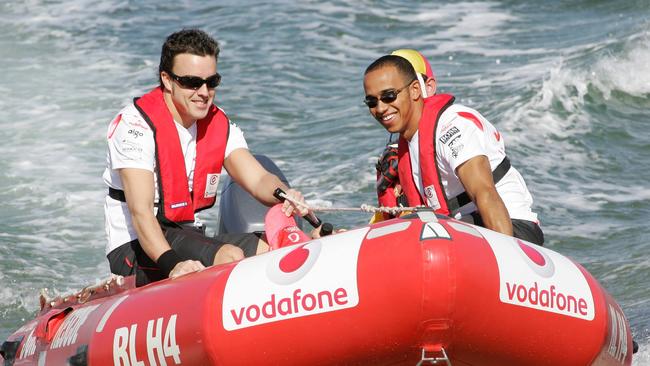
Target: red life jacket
(434, 196)
(386, 168)
(175, 202)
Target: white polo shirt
(131, 145)
(463, 133)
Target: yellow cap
(419, 62)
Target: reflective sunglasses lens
(189, 82)
(195, 82)
(371, 102)
(388, 97)
(213, 81)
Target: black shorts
(527, 230)
(522, 229)
(188, 242)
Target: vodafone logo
(294, 265)
(538, 261)
(539, 278)
(298, 281)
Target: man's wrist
(167, 261)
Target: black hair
(192, 41)
(402, 65)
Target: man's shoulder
(128, 124)
(232, 125)
(133, 119)
(462, 117)
(457, 110)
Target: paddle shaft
(310, 217)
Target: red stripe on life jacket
(176, 204)
(433, 195)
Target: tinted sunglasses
(195, 82)
(387, 96)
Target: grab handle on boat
(310, 217)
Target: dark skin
(476, 176)
(403, 116)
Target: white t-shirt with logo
(463, 133)
(131, 145)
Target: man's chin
(199, 114)
(392, 129)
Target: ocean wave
(643, 357)
(627, 72)
(615, 71)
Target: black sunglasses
(195, 82)
(387, 96)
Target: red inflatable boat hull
(397, 292)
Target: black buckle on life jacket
(387, 168)
(497, 174)
(118, 195)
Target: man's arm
(244, 169)
(139, 192)
(476, 176)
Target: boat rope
(363, 208)
(82, 295)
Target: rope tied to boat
(363, 208)
(82, 295)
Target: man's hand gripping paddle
(325, 228)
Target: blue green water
(566, 83)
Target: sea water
(567, 83)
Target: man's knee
(228, 253)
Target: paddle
(326, 228)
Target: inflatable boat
(421, 289)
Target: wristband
(167, 261)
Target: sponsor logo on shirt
(456, 146)
(139, 125)
(131, 150)
(135, 133)
(449, 134)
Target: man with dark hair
(450, 158)
(166, 151)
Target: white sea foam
(642, 358)
(628, 72)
